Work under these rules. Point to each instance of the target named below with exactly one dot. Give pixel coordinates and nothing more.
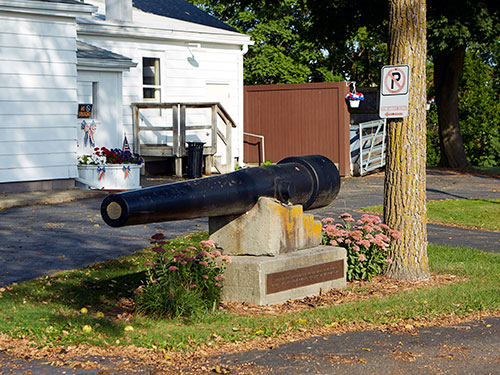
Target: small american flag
(125, 147)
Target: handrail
(222, 111)
(164, 105)
(262, 144)
(179, 128)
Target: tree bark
(448, 67)
(405, 178)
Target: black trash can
(195, 159)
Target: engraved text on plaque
(285, 280)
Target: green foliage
(457, 23)
(479, 107)
(282, 53)
(290, 48)
(185, 283)
(433, 148)
(367, 244)
(359, 58)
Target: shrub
(433, 147)
(367, 243)
(185, 283)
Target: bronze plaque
(285, 280)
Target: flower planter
(110, 176)
(354, 103)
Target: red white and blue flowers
(102, 156)
(355, 96)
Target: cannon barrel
(312, 181)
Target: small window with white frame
(151, 85)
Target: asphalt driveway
(37, 239)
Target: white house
(56, 54)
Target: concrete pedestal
(265, 280)
(276, 254)
(269, 228)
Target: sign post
(394, 91)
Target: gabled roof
(181, 10)
(90, 55)
(89, 51)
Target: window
(151, 78)
(88, 95)
(95, 107)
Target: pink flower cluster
(363, 236)
(196, 270)
(367, 231)
(206, 261)
(208, 251)
(210, 244)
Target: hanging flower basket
(354, 103)
(113, 169)
(429, 102)
(354, 99)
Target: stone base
(270, 280)
(269, 228)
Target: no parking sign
(394, 91)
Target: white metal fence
(367, 146)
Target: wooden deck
(179, 129)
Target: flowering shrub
(185, 283)
(355, 96)
(367, 242)
(102, 156)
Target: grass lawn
(473, 213)
(47, 310)
(494, 171)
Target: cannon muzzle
(312, 181)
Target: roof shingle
(181, 10)
(89, 51)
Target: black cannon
(312, 181)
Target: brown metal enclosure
(297, 119)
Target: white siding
(185, 73)
(38, 97)
(108, 103)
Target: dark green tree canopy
(282, 52)
(458, 23)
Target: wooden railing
(179, 128)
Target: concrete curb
(46, 197)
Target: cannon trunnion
(312, 181)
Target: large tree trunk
(448, 67)
(404, 187)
